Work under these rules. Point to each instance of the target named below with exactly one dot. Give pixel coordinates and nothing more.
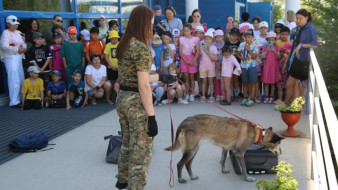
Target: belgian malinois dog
(228, 133)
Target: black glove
(97, 88)
(165, 78)
(152, 126)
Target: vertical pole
(190, 5)
(120, 13)
(77, 24)
(293, 5)
(2, 17)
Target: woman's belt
(128, 88)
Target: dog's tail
(177, 143)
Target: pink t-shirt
(189, 45)
(228, 65)
(55, 53)
(205, 61)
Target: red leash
(171, 180)
(251, 123)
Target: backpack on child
(29, 143)
(114, 147)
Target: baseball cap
(157, 40)
(72, 30)
(33, 69)
(77, 71)
(13, 20)
(211, 29)
(219, 33)
(156, 7)
(113, 34)
(85, 33)
(248, 32)
(56, 72)
(271, 34)
(244, 28)
(55, 34)
(209, 33)
(176, 33)
(37, 34)
(199, 28)
(101, 16)
(94, 30)
(280, 22)
(263, 24)
(234, 31)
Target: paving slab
(78, 159)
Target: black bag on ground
(29, 143)
(58, 103)
(114, 147)
(258, 160)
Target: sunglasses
(278, 26)
(15, 20)
(196, 16)
(60, 21)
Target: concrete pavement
(77, 162)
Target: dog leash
(245, 120)
(171, 179)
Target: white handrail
(322, 123)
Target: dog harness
(261, 135)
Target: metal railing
(324, 130)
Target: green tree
(325, 16)
(278, 10)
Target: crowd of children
(226, 64)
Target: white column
(291, 5)
(190, 5)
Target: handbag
(114, 147)
(299, 69)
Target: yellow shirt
(281, 43)
(110, 50)
(32, 89)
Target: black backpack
(29, 143)
(114, 147)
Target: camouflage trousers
(136, 150)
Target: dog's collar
(261, 135)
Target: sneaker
(191, 98)
(250, 103)
(186, 97)
(257, 101)
(182, 102)
(203, 99)
(277, 101)
(121, 185)
(266, 100)
(225, 103)
(270, 100)
(159, 103)
(218, 98)
(166, 101)
(211, 99)
(244, 101)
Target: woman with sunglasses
(48, 34)
(196, 17)
(13, 48)
(278, 26)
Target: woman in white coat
(13, 49)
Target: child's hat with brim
(271, 34)
(113, 34)
(157, 40)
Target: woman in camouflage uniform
(134, 101)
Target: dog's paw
(182, 180)
(250, 179)
(194, 177)
(225, 171)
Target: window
(39, 5)
(103, 6)
(129, 5)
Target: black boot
(121, 185)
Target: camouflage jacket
(137, 57)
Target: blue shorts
(249, 75)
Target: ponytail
(305, 13)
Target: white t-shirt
(167, 59)
(256, 33)
(96, 74)
(291, 25)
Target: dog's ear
(275, 138)
(270, 128)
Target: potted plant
(284, 180)
(291, 115)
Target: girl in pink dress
(54, 52)
(189, 52)
(270, 74)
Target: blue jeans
(249, 75)
(159, 92)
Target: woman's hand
(297, 49)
